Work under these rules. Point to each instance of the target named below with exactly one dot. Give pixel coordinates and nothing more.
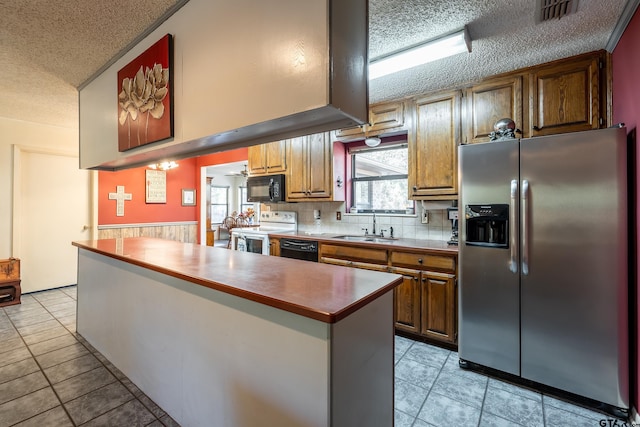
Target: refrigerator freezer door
(574, 295)
(489, 299)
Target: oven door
(247, 242)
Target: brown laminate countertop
(405, 244)
(319, 291)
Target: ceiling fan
(244, 173)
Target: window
(219, 204)
(379, 180)
(242, 197)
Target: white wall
(30, 134)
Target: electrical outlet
(338, 216)
(425, 216)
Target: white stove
(256, 239)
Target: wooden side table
(10, 290)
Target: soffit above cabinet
(301, 69)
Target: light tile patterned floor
(50, 376)
(432, 390)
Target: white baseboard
(635, 417)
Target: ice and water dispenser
(487, 225)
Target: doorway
(225, 188)
(51, 208)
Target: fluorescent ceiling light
(441, 47)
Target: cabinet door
(297, 172)
(274, 247)
(489, 102)
(433, 147)
(565, 97)
(256, 160)
(385, 117)
(310, 169)
(319, 171)
(267, 158)
(439, 306)
(407, 300)
(352, 133)
(276, 158)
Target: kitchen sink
(374, 239)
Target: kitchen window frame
(352, 153)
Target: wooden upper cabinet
(433, 147)
(269, 158)
(566, 96)
(312, 173)
(489, 102)
(384, 118)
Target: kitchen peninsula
(227, 338)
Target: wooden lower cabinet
(426, 303)
(406, 298)
(439, 304)
(274, 246)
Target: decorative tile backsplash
(404, 226)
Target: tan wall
(29, 134)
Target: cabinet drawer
(424, 261)
(355, 264)
(369, 255)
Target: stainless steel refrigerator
(544, 261)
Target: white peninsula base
(209, 358)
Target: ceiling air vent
(555, 9)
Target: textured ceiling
(49, 48)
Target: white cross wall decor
(120, 196)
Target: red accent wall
(136, 210)
(626, 109)
(236, 155)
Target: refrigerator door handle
(524, 212)
(513, 258)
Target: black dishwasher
(299, 249)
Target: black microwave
(266, 189)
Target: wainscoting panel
(185, 232)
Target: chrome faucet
(374, 224)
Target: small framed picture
(188, 197)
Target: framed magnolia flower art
(145, 104)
